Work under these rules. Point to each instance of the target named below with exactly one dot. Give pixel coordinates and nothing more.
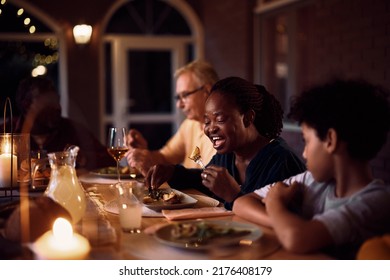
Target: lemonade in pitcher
(64, 186)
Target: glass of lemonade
(130, 195)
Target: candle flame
(62, 230)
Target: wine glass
(116, 145)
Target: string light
(27, 21)
(2, 2)
(39, 71)
(51, 43)
(39, 60)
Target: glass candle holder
(15, 166)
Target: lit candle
(61, 243)
(5, 167)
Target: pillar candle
(5, 170)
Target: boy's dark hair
(356, 109)
(269, 114)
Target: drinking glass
(116, 146)
(40, 171)
(130, 195)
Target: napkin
(195, 213)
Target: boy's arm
(295, 233)
(251, 208)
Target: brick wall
(228, 27)
(349, 38)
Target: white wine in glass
(116, 145)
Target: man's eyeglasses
(185, 94)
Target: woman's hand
(218, 180)
(158, 175)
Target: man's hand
(136, 140)
(140, 159)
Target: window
(145, 41)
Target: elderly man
(193, 84)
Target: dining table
(101, 226)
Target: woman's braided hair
(247, 96)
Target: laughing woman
(243, 121)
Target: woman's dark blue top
(275, 162)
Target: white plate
(110, 173)
(112, 207)
(251, 233)
(156, 207)
(186, 201)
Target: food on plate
(171, 198)
(164, 196)
(203, 232)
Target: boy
(337, 203)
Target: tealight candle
(61, 243)
(5, 167)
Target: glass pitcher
(64, 186)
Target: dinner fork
(198, 160)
